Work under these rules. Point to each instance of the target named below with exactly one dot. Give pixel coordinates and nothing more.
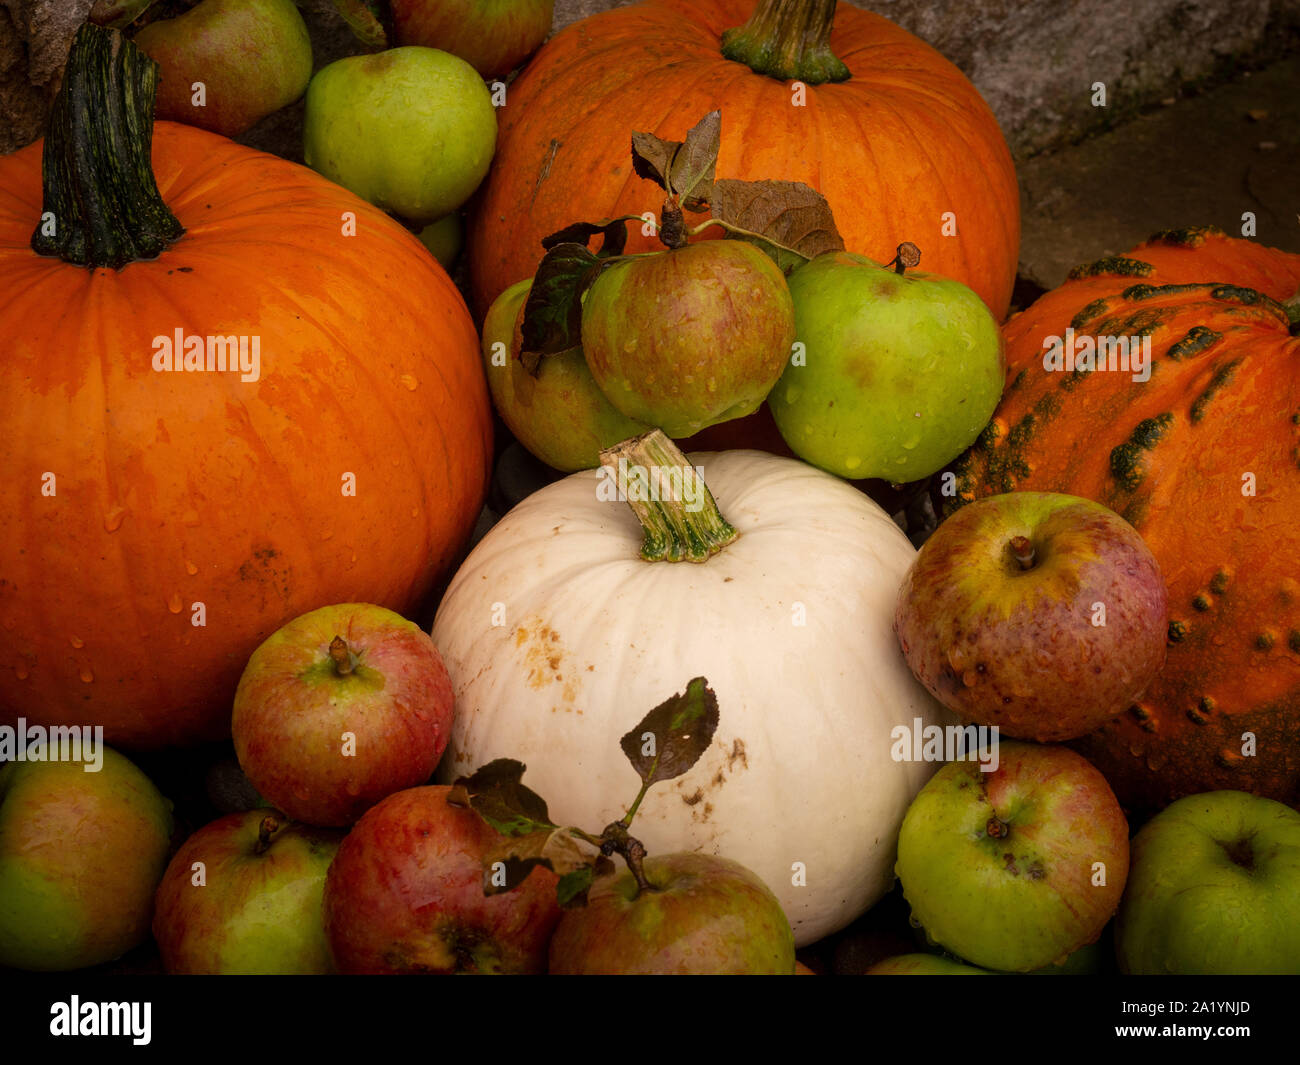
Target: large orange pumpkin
(155, 526)
(1204, 459)
(904, 149)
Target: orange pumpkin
(156, 525)
(1204, 459)
(904, 149)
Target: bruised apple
(405, 895)
(685, 338)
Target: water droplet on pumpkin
(354, 558)
(77, 642)
(352, 788)
(415, 512)
(86, 675)
(191, 568)
(113, 519)
(410, 381)
(190, 517)
(174, 604)
(20, 671)
(327, 534)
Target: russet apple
(1043, 614)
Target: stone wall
(1034, 60)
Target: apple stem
(676, 510)
(997, 829)
(344, 660)
(1022, 549)
(617, 840)
(908, 257)
(672, 231)
(268, 828)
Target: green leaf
(613, 232)
(508, 863)
(790, 221)
(553, 311)
(571, 891)
(363, 18)
(671, 738)
(684, 168)
(495, 792)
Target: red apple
(702, 915)
(493, 36)
(339, 708)
(1040, 613)
(405, 895)
(82, 847)
(1016, 868)
(243, 896)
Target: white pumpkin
(559, 638)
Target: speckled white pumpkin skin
(559, 638)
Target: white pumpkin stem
(676, 510)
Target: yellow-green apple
(924, 965)
(899, 373)
(560, 414)
(701, 915)
(411, 130)
(80, 856)
(494, 36)
(444, 238)
(339, 708)
(243, 896)
(405, 894)
(1214, 890)
(1016, 868)
(688, 337)
(1041, 613)
(225, 64)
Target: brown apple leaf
(613, 232)
(363, 18)
(507, 864)
(497, 794)
(552, 321)
(684, 168)
(790, 221)
(671, 738)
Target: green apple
(1214, 890)
(923, 965)
(899, 372)
(1015, 868)
(411, 130)
(686, 338)
(243, 896)
(81, 853)
(493, 35)
(251, 56)
(561, 415)
(444, 238)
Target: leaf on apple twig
(684, 168)
(507, 864)
(497, 794)
(671, 738)
(571, 891)
(362, 17)
(613, 232)
(790, 221)
(552, 321)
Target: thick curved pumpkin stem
(788, 39)
(1293, 313)
(102, 206)
(669, 498)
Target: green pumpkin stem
(102, 206)
(683, 523)
(788, 39)
(1292, 307)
